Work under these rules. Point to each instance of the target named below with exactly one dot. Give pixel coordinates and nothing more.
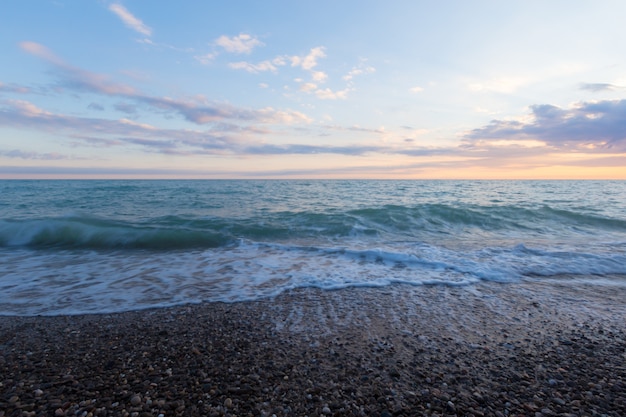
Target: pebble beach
(517, 349)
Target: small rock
(59, 412)
(135, 400)
(228, 403)
(326, 411)
(38, 393)
(450, 406)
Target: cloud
(206, 59)
(355, 128)
(42, 52)
(130, 20)
(240, 44)
(416, 90)
(197, 110)
(319, 76)
(126, 108)
(14, 88)
(309, 61)
(597, 87)
(51, 156)
(27, 108)
(95, 106)
(503, 85)
(204, 112)
(358, 71)
(254, 68)
(219, 138)
(588, 126)
(76, 78)
(300, 149)
(26, 115)
(233, 139)
(328, 94)
(308, 87)
(82, 172)
(96, 141)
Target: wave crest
(85, 233)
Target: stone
(135, 400)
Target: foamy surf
(238, 241)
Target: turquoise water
(69, 247)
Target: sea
(102, 246)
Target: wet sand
(525, 349)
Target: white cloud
(240, 44)
(28, 109)
(309, 61)
(16, 153)
(254, 68)
(308, 87)
(42, 52)
(416, 90)
(499, 85)
(358, 71)
(328, 94)
(205, 59)
(130, 20)
(319, 76)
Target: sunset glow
(410, 89)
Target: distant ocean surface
(73, 247)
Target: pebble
(135, 400)
(440, 375)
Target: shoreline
(530, 348)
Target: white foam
(72, 282)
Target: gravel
(526, 349)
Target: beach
(538, 348)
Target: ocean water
(73, 247)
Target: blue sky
(284, 89)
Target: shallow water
(69, 247)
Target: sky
(313, 89)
